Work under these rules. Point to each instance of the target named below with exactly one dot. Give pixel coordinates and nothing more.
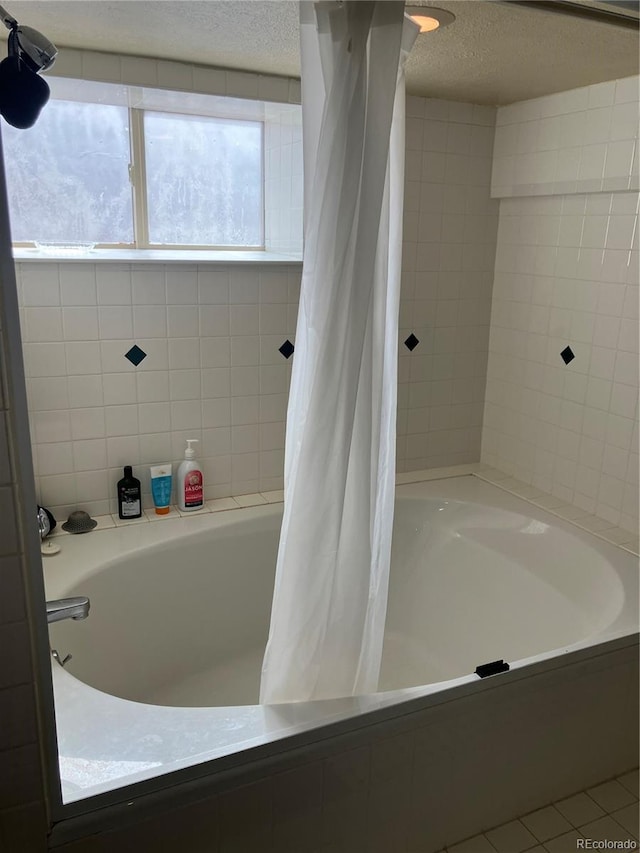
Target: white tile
(113, 283)
(626, 369)
(244, 320)
(245, 410)
(215, 382)
(122, 450)
(182, 285)
(628, 819)
(249, 500)
(147, 287)
(245, 439)
(215, 352)
(546, 823)
(216, 412)
(155, 447)
(80, 324)
(82, 357)
(276, 496)
(139, 71)
(592, 162)
(174, 75)
(579, 809)
(222, 504)
(201, 511)
(42, 325)
(245, 350)
(78, 285)
(630, 782)
(477, 844)
(126, 522)
(605, 829)
(182, 321)
(41, 360)
(213, 286)
(184, 384)
(121, 420)
(86, 423)
(154, 418)
(91, 487)
(89, 455)
(214, 320)
(619, 158)
(150, 321)
(40, 285)
(611, 795)
(55, 458)
(245, 467)
(511, 837)
(624, 121)
(115, 322)
(626, 90)
(119, 388)
(241, 84)
(84, 392)
(564, 843)
(186, 415)
(184, 353)
(100, 66)
(601, 94)
(212, 81)
(245, 381)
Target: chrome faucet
(68, 608)
(44, 524)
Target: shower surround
(23, 814)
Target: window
(68, 176)
(204, 180)
(143, 176)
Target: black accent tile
(286, 349)
(135, 355)
(567, 355)
(412, 342)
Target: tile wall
(567, 276)
(22, 816)
(582, 140)
(283, 191)
(213, 371)
(212, 335)
(450, 228)
(22, 807)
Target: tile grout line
(574, 827)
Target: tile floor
(606, 812)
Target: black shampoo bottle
(129, 497)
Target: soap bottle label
(193, 489)
(130, 503)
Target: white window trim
(138, 99)
(163, 256)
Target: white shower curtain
(330, 597)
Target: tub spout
(68, 608)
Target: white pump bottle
(190, 483)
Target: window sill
(163, 256)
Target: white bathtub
(165, 671)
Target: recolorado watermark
(594, 844)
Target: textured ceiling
(494, 53)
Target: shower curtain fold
(329, 606)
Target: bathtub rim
(172, 790)
(388, 706)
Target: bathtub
(164, 674)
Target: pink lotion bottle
(190, 483)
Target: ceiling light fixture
(429, 18)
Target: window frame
(138, 184)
